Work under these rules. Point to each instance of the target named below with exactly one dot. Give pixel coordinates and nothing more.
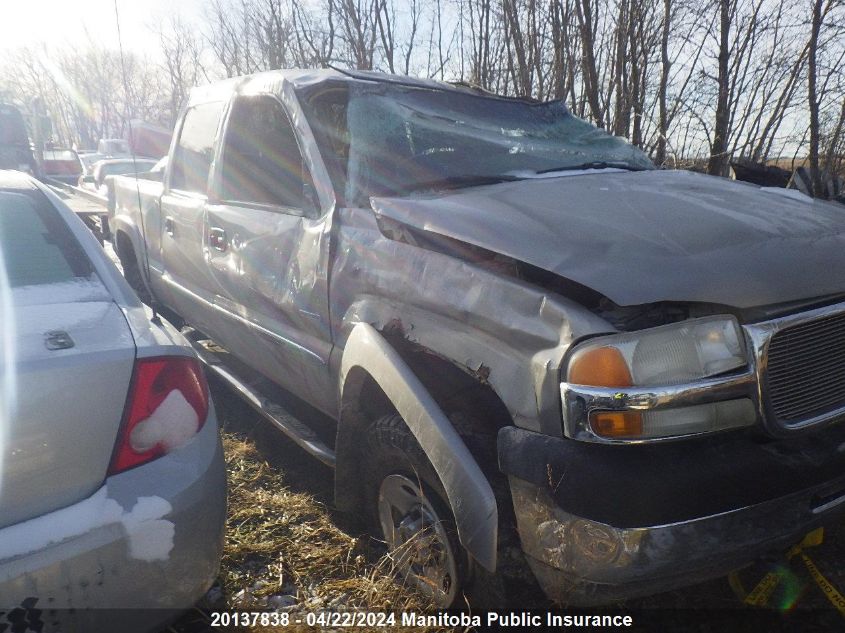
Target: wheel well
(473, 407)
(475, 410)
(123, 246)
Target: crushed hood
(644, 237)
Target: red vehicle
(62, 164)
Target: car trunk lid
(66, 381)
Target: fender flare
(468, 490)
(121, 224)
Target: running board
(274, 412)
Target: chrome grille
(806, 370)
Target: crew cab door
(186, 279)
(268, 250)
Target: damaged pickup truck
(512, 323)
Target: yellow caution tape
(836, 598)
(813, 539)
(759, 596)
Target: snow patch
(172, 424)
(149, 536)
(77, 290)
(94, 326)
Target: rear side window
(36, 245)
(195, 149)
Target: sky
(26, 22)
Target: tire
(408, 508)
(133, 273)
(392, 449)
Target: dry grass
(283, 549)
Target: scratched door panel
(267, 257)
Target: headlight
(678, 354)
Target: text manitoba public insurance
(515, 619)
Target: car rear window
(36, 245)
(57, 154)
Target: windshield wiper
(459, 182)
(598, 164)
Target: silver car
(112, 480)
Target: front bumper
(154, 550)
(581, 560)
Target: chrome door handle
(217, 239)
(169, 226)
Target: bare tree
(314, 32)
(182, 59)
(718, 157)
(588, 26)
(83, 91)
(687, 81)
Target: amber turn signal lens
(617, 424)
(600, 366)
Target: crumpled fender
(470, 494)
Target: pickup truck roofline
(307, 79)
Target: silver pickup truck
(525, 337)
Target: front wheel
(408, 507)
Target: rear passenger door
(268, 250)
(187, 282)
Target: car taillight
(166, 406)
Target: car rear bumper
(581, 561)
(152, 541)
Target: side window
(195, 149)
(261, 160)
